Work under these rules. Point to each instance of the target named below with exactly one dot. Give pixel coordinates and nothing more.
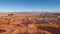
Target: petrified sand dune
(29, 23)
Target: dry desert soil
(29, 23)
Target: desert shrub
(10, 14)
(2, 30)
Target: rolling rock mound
(14, 23)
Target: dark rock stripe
(50, 29)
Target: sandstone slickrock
(30, 23)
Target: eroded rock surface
(14, 23)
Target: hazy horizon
(30, 5)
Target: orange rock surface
(30, 23)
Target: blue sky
(29, 5)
